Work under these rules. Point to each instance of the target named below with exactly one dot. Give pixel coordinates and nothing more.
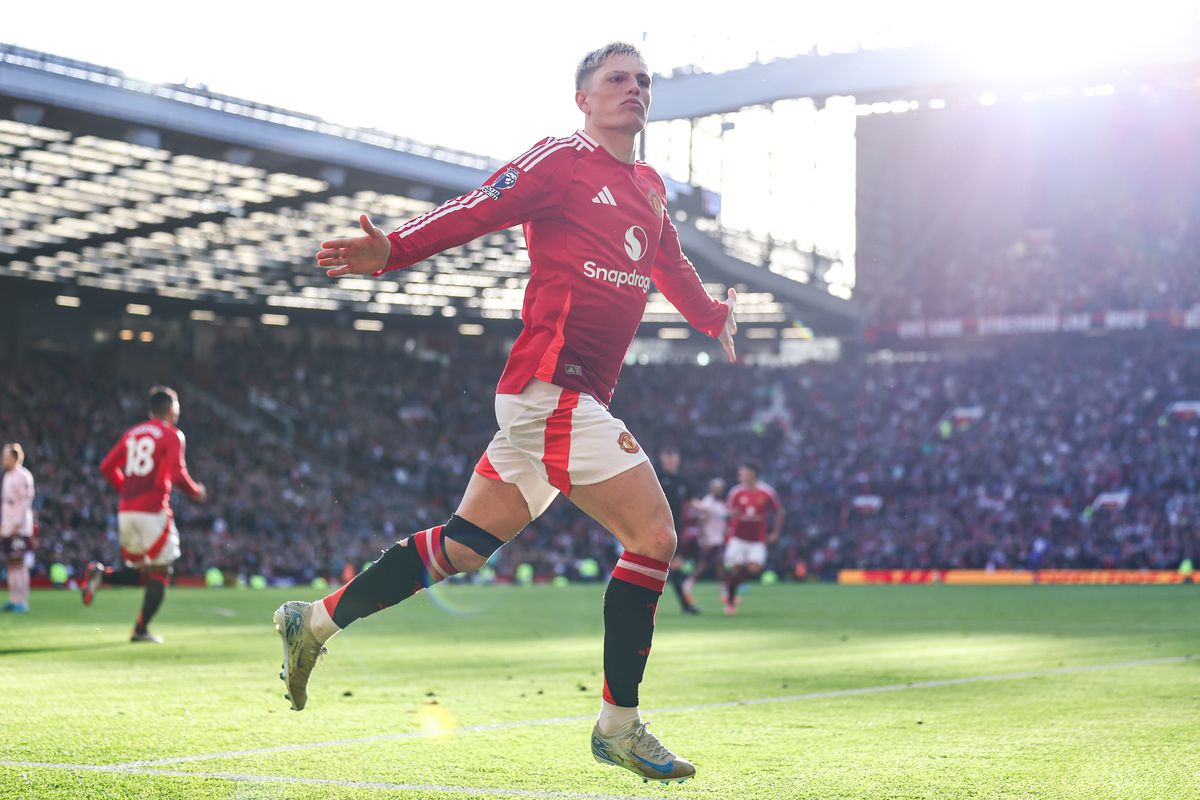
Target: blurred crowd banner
(1008, 577)
(1079, 322)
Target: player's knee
(468, 546)
(658, 542)
(463, 558)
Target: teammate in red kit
(750, 504)
(142, 466)
(598, 235)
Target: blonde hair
(592, 61)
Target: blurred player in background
(751, 502)
(714, 528)
(678, 498)
(598, 233)
(16, 527)
(142, 466)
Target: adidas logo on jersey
(604, 197)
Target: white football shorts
(148, 539)
(741, 551)
(552, 439)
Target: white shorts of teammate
(551, 439)
(740, 551)
(148, 539)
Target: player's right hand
(357, 255)
(730, 328)
(201, 493)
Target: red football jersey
(598, 234)
(144, 464)
(748, 509)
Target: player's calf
(406, 568)
(156, 580)
(411, 565)
(93, 579)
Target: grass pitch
(489, 692)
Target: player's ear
(581, 100)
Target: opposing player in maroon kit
(750, 504)
(598, 235)
(142, 466)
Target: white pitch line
(395, 787)
(384, 737)
(530, 723)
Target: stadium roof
(894, 74)
(93, 89)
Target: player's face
(10, 460)
(174, 417)
(717, 488)
(746, 475)
(619, 94)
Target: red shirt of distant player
(748, 510)
(598, 234)
(145, 463)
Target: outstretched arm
(524, 189)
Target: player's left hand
(727, 333)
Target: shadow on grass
(67, 648)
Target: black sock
(629, 605)
(126, 576)
(156, 589)
(398, 574)
(676, 579)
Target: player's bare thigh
(497, 507)
(633, 508)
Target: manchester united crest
(656, 201)
(627, 443)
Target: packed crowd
(993, 460)
(1072, 207)
(1099, 263)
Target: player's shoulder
(555, 150)
(648, 169)
(767, 489)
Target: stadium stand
(97, 213)
(1017, 485)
